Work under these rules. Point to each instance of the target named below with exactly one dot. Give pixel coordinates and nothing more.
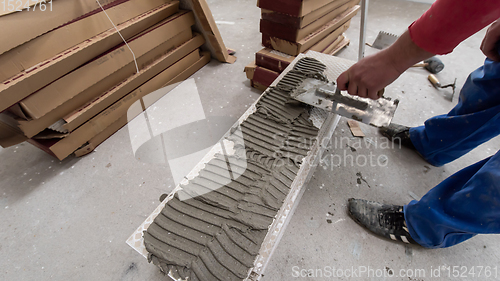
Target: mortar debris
(426, 168)
(360, 178)
(352, 148)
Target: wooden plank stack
(68, 87)
(291, 27)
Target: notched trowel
(326, 95)
(384, 40)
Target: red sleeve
(449, 22)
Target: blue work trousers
(468, 202)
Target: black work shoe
(398, 134)
(384, 220)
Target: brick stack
(69, 79)
(291, 27)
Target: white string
(135, 60)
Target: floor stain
(409, 252)
(356, 250)
(131, 267)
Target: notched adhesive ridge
(216, 233)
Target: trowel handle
(433, 79)
(420, 65)
(379, 93)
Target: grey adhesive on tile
(216, 235)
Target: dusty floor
(69, 220)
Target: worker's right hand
(369, 75)
(491, 42)
(373, 73)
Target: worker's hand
(373, 73)
(368, 76)
(490, 45)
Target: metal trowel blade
(327, 96)
(384, 40)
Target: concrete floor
(69, 220)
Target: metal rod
(362, 31)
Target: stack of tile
(291, 27)
(70, 79)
